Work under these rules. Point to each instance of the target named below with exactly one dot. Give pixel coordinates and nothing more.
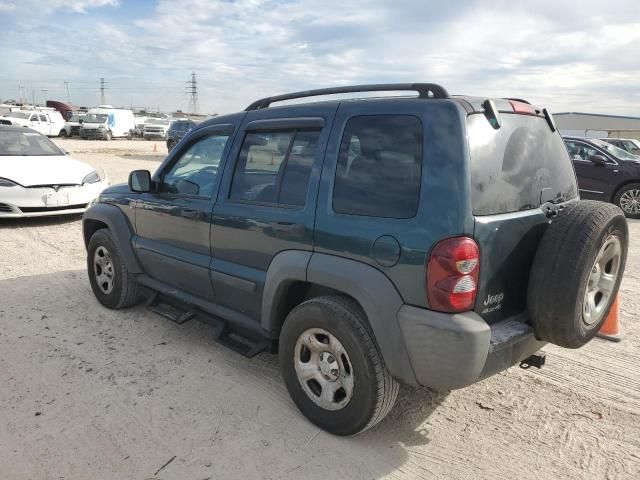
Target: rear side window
(274, 167)
(379, 167)
(517, 167)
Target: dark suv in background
(431, 240)
(606, 172)
(177, 130)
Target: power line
(192, 89)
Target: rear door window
(274, 167)
(519, 166)
(379, 167)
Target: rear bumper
(450, 351)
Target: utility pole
(44, 96)
(192, 89)
(23, 93)
(102, 99)
(67, 92)
(33, 97)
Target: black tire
(376, 390)
(107, 135)
(63, 133)
(562, 272)
(630, 208)
(124, 292)
(170, 145)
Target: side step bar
(242, 343)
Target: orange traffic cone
(155, 147)
(610, 329)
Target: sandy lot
(88, 393)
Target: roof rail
(425, 90)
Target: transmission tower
(192, 89)
(23, 93)
(102, 99)
(67, 92)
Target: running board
(223, 333)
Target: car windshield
(615, 151)
(95, 118)
(76, 118)
(157, 121)
(18, 114)
(29, 143)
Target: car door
(173, 222)
(595, 181)
(45, 125)
(34, 123)
(266, 203)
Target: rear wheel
(628, 199)
(332, 367)
(111, 282)
(577, 272)
(63, 133)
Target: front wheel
(628, 199)
(332, 367)
(107, 135)
(110, 280)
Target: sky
(566, 55)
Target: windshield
(18, 114)
(95, 118)
(156, 121)
(76, 118)
(615, 151)
(19, 143)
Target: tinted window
(43, 118)
(517, 167)
(196, 170)
(379, 167)
(274, 167)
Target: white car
(37, 178)
(48, 122)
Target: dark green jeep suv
(432, 240)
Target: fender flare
(119, 225)
(371, 288)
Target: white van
(105, 122)
(48, 122)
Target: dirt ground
(89, 393)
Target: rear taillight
(452, 275)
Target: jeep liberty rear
(432, 241)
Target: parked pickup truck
(47, 122)
(432, 240)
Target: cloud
(545, 51)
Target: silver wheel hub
(324, 369)
(103, 269)
(630, 201)
(602, 280)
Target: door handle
(288, 227)
(190, 213)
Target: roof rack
(425, 90)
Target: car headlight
(94, 177)
(5, 182)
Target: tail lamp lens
(452, 275)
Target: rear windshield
(519, 166)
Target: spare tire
(576, 272)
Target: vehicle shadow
(70, 324)
(26, 222)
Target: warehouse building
(595, 125)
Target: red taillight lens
(522, 108)
(452, 275)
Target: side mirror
(140, 181)
(598, 159)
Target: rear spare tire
(576, 273)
